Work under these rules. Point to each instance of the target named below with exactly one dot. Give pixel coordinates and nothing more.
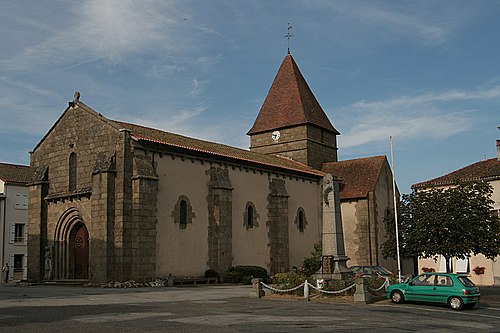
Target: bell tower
(291, 122)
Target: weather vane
(289, 35)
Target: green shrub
(244, 274)
(211, 273)
(336, 285)
(313, 264)
(230, 277)
(288, 280)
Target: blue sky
(425, 72)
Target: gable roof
(484, 170)
(175, 140)
(358, 176)
(13, 173)
(290, 102)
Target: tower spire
(289, 35)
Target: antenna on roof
(289, 35)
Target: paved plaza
(221, 308)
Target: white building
(483, 271)
(14, 218)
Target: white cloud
(107, 30)
(433, 115)
(394, 20)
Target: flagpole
(395, 212)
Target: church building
(113, 201)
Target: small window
(72, 171)
(250, 217)
(21, 201)
(300, 219)
(183, 213)
(19, 233)
(18, 262)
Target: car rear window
(466, 282)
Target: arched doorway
(80, 244)
(71, 247)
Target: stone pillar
(37, 222)
(334, 258)
(277, 224)
(143, 245)
(102, 244)
(361, 295)
(220, 220)
(257, 291)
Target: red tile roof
(483, 170)
(13, 173)
(175, 140)
(358, 176)
(290, 102)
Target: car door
(421, 288)
(443, 288)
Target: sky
(425, 72)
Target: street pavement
(223, 308)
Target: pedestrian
(5, 270)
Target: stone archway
(71, 247)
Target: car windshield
(383, 270)
(466, 282)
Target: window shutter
(12, 233)
(26, 233)
(25, 265)
(11, 267)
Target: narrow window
(183, 213)
(72, 172)
(301, 221)
(250, 217)
(19, 232)
(18, 262)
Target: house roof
(484, 170)
(290, 102)
(175, 140)
(13, 173)
(357, 177)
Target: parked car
(368, 271)
(453, 289)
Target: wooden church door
(81, 252)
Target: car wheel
(455, 303)
(397, 297)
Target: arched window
(183, 213)
(72, 172)
(250, 217)
(300, 219)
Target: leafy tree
(451, 222)
(313, 264)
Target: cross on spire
(289, 35)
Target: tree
(453, 222)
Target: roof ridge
(218, 149)
(290, 102)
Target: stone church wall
(188, 251)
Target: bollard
(257, 291)
(361, 295)
(306, 290)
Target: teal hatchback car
(453, 289)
